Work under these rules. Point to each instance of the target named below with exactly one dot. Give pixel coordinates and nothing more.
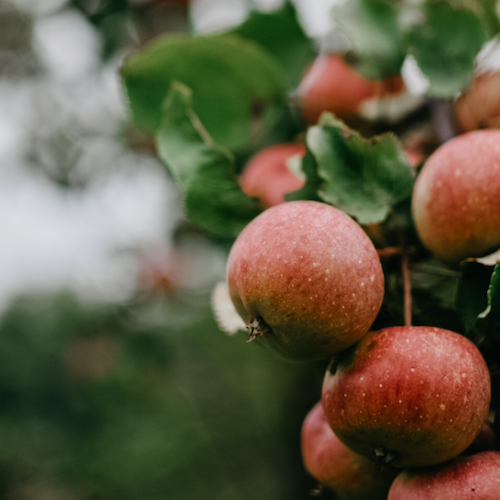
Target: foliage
(101, 403)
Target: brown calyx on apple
(256, 328)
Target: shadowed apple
(266, 175)
(479, 106)
(335, 466)
(466, 478)
(332, 85)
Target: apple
(466, 478)
(330, 84)
(267, 176)
(479, 106)
(306, 278)
(335, 466)
(408, 396)
(456, 198)
(485, 440)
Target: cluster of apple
(398, 405)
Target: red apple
(267, 176)
(306, 277)
(467, 478)
(456, 199)
(332, 85)
(409, 396)
(479, 106)
(335, 466)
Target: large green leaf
(234, 82)
(365, 178)
(374, 30)
(282, 35)
(203, 170)
(445, 45)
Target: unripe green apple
(306, 277)
(479, 106)
(267, 176)
(408, 396)
(456, 199)
(467, 478)
(335, 466)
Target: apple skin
(456, 198)
(466, 478)
(332, 85)
(308, 276)
(408, 396)
(479, 106)
(266, 176)
(335, 466)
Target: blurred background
(115, 381)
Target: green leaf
(235, 83)
(364, 178)
(373, 28)
(203, 170)
(471, 297)
(490, 16)
(486, 10)
(488, 321)
(282, 35)
(309, 191)
(445, 46)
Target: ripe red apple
(409, 396)
(335, 466)
(332, 85)
(479, 106)
(467, 478)
(456, 199)
(306, 277)
(267, 176)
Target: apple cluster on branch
(334, 222)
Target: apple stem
(256, 328)
(407, 289)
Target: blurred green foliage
(100, 403)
